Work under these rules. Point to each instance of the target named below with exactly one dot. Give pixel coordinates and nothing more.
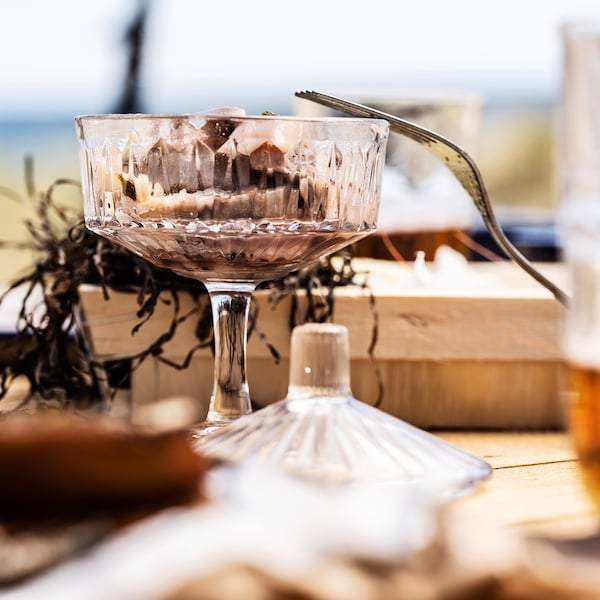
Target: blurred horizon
(256, 53)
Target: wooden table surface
(535, 485)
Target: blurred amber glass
(582, 351)
(580, 217)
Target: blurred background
(64, 58)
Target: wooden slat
(504, 449)
(498, 323)
(535, 486)
(480, 356)
(466, 393)
(429, 394)
(448, 328)
(536, 494)
(385, 273)
(112, 321)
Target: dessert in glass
(231, 200)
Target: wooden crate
(456, 357)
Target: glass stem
(230, 304)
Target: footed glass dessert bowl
(231, 200)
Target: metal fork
(458, 161)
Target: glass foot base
(211, 426)
(345, 441)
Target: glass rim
(91, 118)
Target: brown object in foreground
(63, 465)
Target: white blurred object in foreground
(257, 517)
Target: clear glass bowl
(231, 201)
(241, 199)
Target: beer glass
(580, 219)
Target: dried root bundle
(50, 347)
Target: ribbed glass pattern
(321, 431)
(343, 440)
(231, 195)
